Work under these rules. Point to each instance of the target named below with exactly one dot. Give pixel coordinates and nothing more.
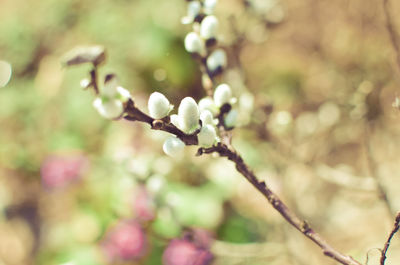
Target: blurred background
(315, 82)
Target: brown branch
(392, 31)
(228, 152)
(93, 79)
(135, 114)
(387, 244)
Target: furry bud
(158, 105)
(123, 94)
(217, 59)
(194, 44)
(206, 117)
(175, 120)
(207, 136)
(188, 113)
(110, 86)
(231, 118)
(208, 104)
(209, 27)
(193, 10)
(222, 95)
(109, 108)
(173, 146)
(209, 6)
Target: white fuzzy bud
(193, 10)
(5, 73)
(222, 95)
(194, 44)
(216, 59)
(209, 6)
(174, 120)
(110, 88)
(109, 108)
(173, 146)
(123, 94)
(206, 117)
(208, 104)
(231, 118)
(158, 105)
(188, 113)
(209, 27)
(207, 136)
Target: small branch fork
(396, 228)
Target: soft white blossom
(216, 59)
(123, 94)
(110, 88)
(231, 118)
(158, 105)
(189, 115)
(109, 108)
(222, 95)
(209, 6)
(206, 117)
(173, 146)
(193, 10)
(207, 136)
(194, 44)
(209, 27)
(174, 120)
(207, 103)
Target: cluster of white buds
(211, 106)
(204, 35)
(111, 99)
(187, 120)
(192, 117)
(197, 9)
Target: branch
(392, 32)
(135, 114)
(387, 244)
(228, 152)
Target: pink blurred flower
(143, 204)
(126, 240)
(199, 236)
(185, 252)
(59, 170)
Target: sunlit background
(315, 82)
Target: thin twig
(134, 114)
(392, 32)
(387, 244)
(93, 79)
(302, 226)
